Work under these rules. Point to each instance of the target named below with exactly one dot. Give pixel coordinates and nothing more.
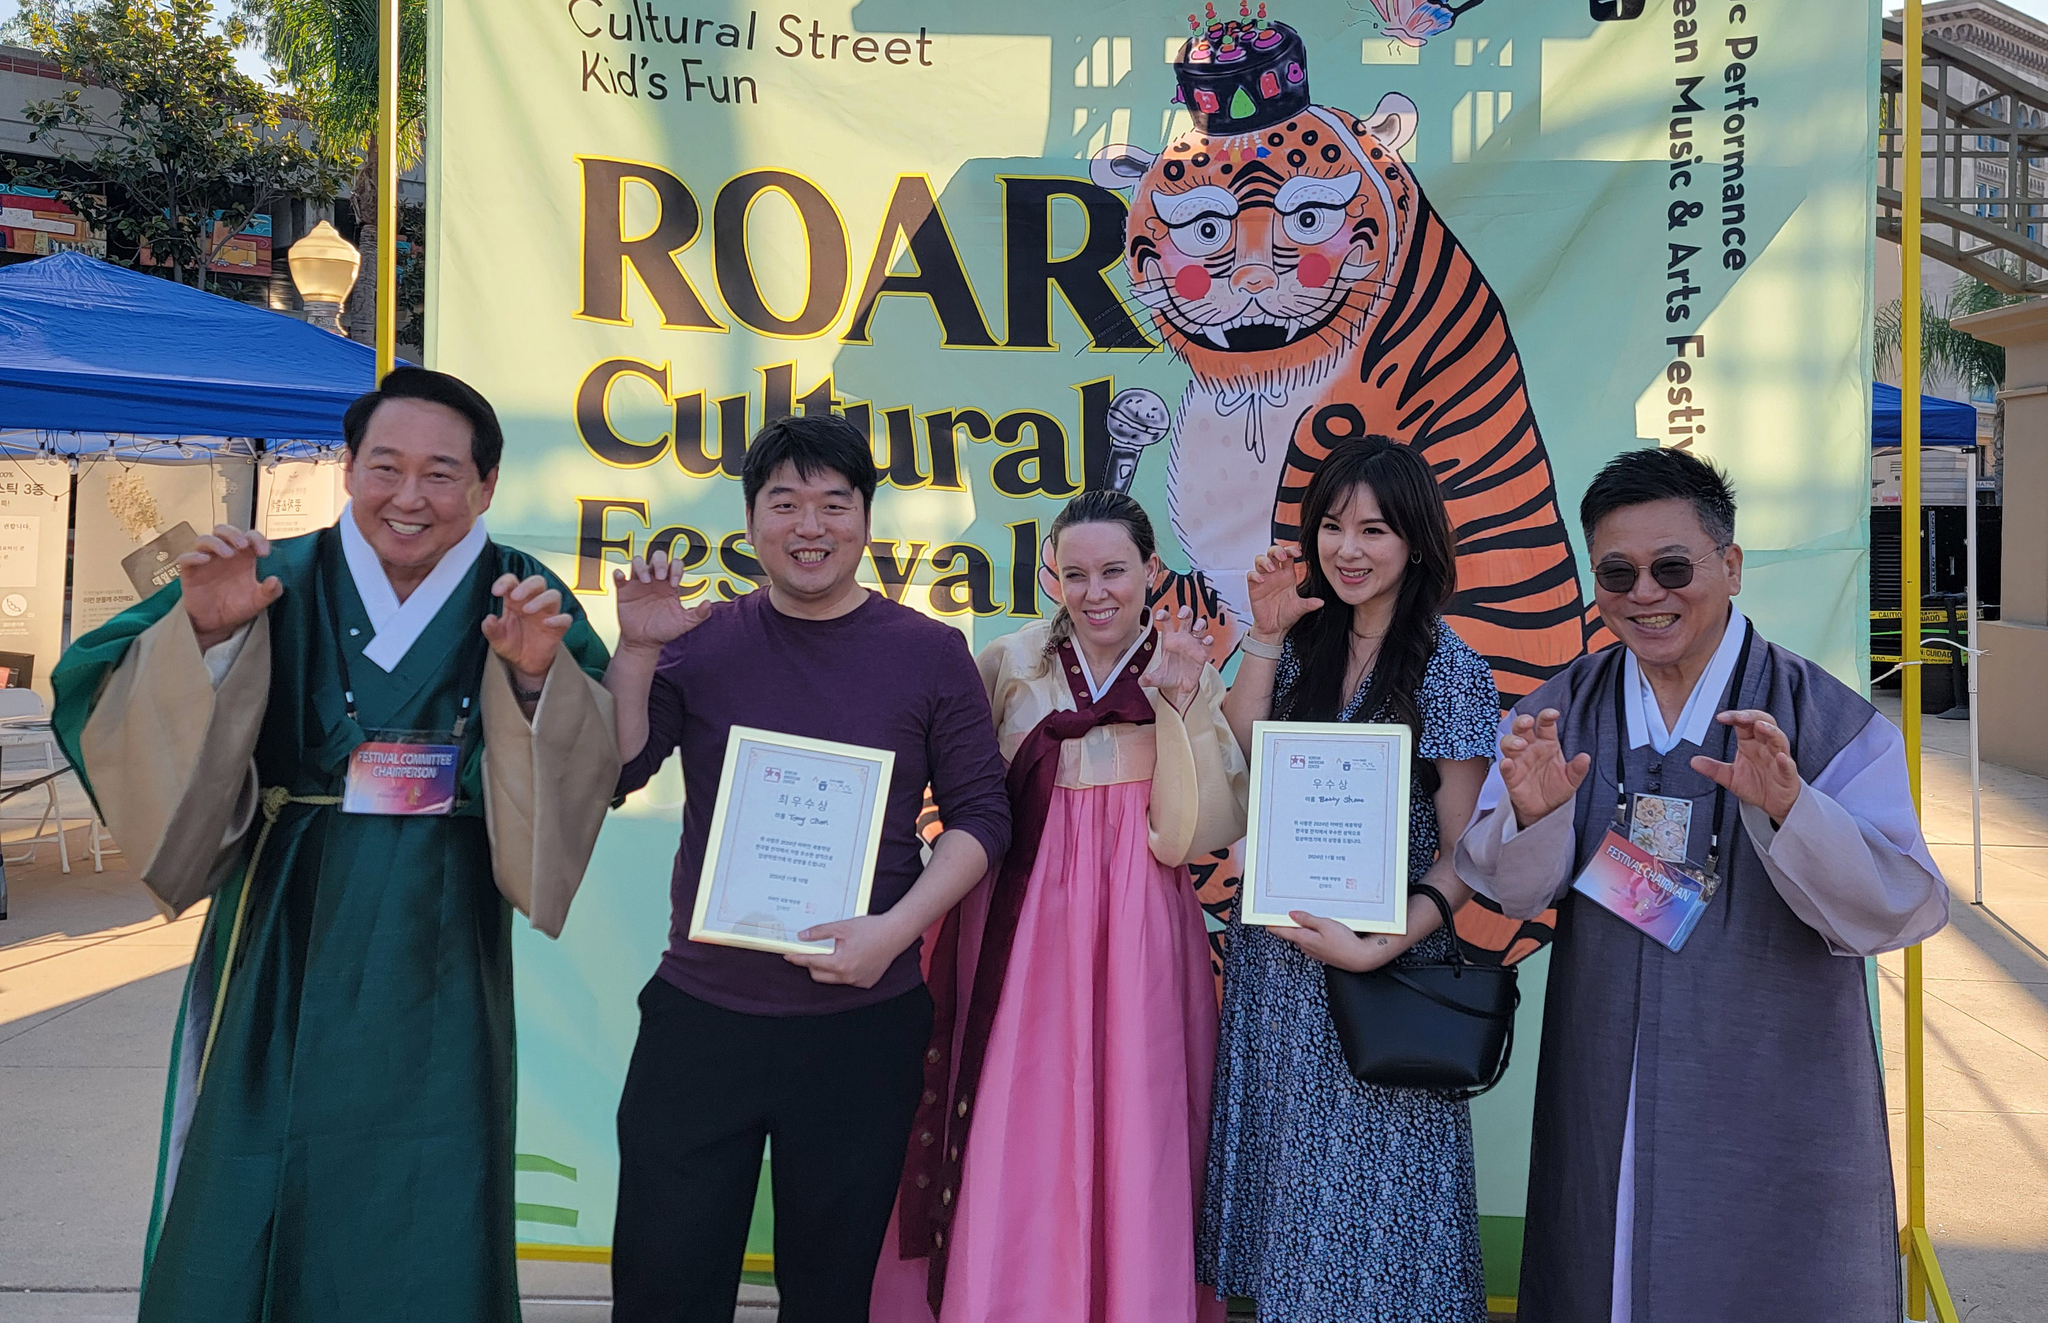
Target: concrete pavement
(90, 976)
(1986, 1013)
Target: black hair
(1101, 506)
(1414, 509)
(486, 438)
(1655, 473)
(815, 443)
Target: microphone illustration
(1137, 418)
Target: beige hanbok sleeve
(547, 784)
(1199, 781)
(171, 757)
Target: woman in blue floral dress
(1328, 1200)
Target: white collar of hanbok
(398, 625)
(1646, 719)
(1096, 689)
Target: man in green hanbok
(361, 744)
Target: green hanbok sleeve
(548, 782)
(164, 753)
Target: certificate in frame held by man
(794, 836)
(1328, 829)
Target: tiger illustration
(1298, 270)
(1288, 256)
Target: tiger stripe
(1439, 371)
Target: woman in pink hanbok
(1076, 1029)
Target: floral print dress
(1328, 1200)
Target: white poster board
(135, 518)
(299, 496)
(1946, 475)
(35, 501)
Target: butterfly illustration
(1414, 22)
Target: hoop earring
(1415, 558)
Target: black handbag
(1443, 1025)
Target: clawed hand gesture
(1176, 669)
(219, 586)
(651, 610)
(1763, 773)
(1539, 779)
(1273, 582)
(529, 629)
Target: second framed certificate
(793, 841)
(1328, 831)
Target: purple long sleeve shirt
(882, 676)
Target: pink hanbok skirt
(1082, 1180)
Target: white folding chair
(30, 761)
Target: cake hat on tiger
(1239, 75)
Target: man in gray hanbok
(1710, 1139)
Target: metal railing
(1984, 130)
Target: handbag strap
(1394, 972)
(1443, 907)
(1507, 1052)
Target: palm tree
(1949, 355)
(326, 52)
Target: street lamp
(324, 267)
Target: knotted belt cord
(273, 801)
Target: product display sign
(298, 496)
(35, 508)
(136, 517)
(1187, 253)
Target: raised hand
(1763, 773)
(220, 590)
(529, 630)
(1272, 582)
(1176, 669)
(1539, 780)
(651, 613)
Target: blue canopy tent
(89, 348)
(1942, 422)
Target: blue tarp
(90, 347)
(1942, 422)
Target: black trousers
(835, 1093)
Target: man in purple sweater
(823, 1054)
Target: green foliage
(167, 136)
(326, 50)
(1947, 355)
(412, 274)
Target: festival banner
(136, 517)
(995, 238)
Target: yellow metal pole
(1910, 151)
(387, 186)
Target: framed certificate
(1328, 830)
(793, 839)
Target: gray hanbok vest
(1763, 1183)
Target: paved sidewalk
(90, 976)
(1986, 1012)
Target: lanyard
(1621, 745)
(477, 645)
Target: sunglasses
(1672, 572)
